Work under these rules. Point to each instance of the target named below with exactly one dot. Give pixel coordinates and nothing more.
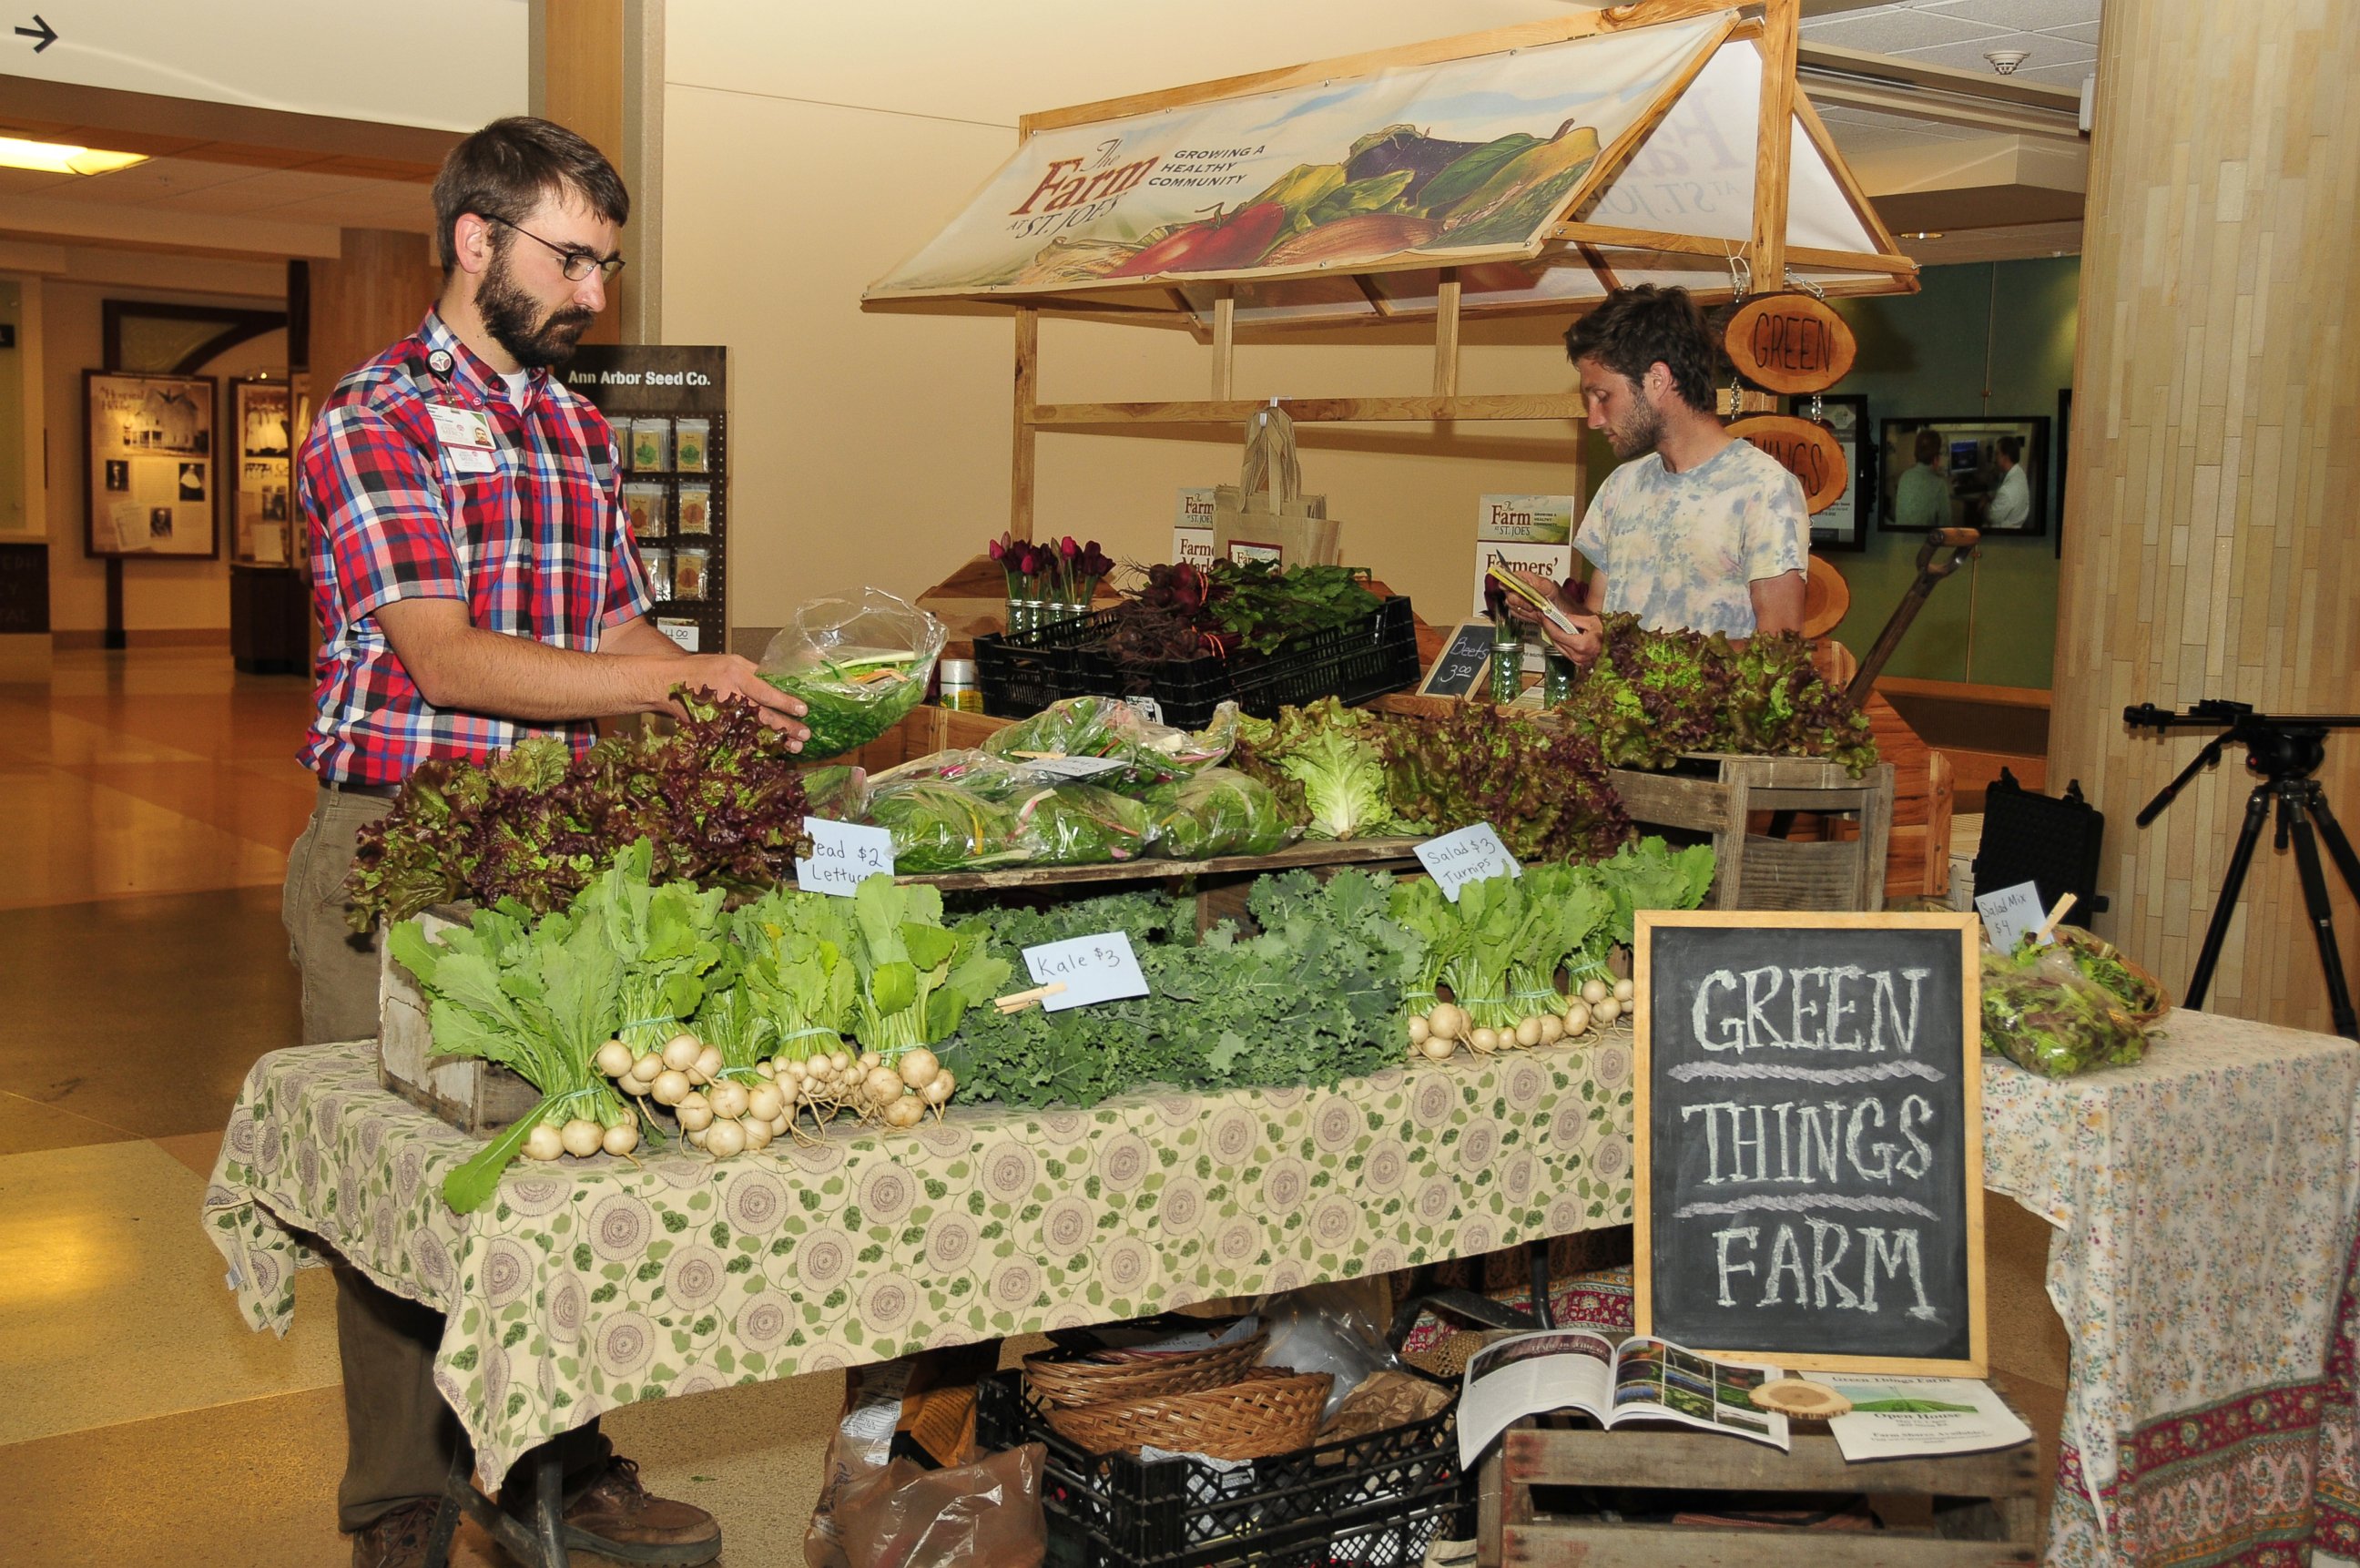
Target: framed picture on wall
(151, 484)
(262, 416)
(1988, 472)
(2064, 449)
(1842, 524)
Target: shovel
(1960, 542)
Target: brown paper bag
(1265, 516)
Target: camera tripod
(2285, 752)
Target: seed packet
(657, 562)
(651, 445)
(689, 444)
(688, 570)
(696, 508)
(644, 506)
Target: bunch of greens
(1323, 758)
(1219, 811)
(1257, 605)
(1545, 791)
(2043, 1014)
(718, 799)
(536, 995)
(1309, 998)
(1501, 948)
(667, 939)
(1078, 824)
(796, 970)
(1653, 694)
(854, 695)
(913, 978)
(1650, 875)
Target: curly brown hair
(1633, 328)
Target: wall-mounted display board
(669, 409)
(1988, 472)
(151, 466)
(261, 421)
(1809, 1121)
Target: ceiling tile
(2044, 51)
(2081, 33)
(25, 181)
(2018, 15)
(1892, 32)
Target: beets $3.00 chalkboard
(1809, 1138)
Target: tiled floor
(147, 801)
(146, 804)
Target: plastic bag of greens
(2044, 1015)
(859, 664)
(979, 772)
(1081, 825)
(2140, 993)
(1108, 728)
(1218, 811)
(943, 826)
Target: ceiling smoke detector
(2005, 60)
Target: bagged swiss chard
(857, 664)
(1218, 811)
(1110, 729)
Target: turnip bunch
(537, 997)
(803, 979)
(914, 980)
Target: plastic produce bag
(940, 825)
(984, 1515)
(857, 664)
(1079, 825)
(1108, 728)
(1218, 811)
(1328, 1328)
(2044, 1015)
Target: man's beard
(1637, 435)
(533, 340)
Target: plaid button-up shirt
(537, 547)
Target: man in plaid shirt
(475, 584)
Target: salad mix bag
(857, 664)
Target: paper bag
(1265, 516)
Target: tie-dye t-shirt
(1679, 549)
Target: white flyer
(1894, 1417)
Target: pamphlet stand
(1944, 1512)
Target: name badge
(466, 437)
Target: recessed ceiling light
(55, 157)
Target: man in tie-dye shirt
(1695, 529)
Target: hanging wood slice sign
(1789, 342)
(1809, 452)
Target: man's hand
(1583, 644)
(719, 674)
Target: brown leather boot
(398, 1540)
(617, 1516)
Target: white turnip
(680, 1052)
(725, 1139)
(581, 1137)
(621, 1138)
(614, 1059)
(543, 1142)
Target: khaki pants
(400, 1435)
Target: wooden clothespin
(2064, 903)
(1017, 1002)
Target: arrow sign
(41, 30)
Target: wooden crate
(1721, 795)
(472, 1095)
(1951, 1511)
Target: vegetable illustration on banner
(1454, 160)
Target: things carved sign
(1806, 450)
(1789, 342)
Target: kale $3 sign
(1809, 1138)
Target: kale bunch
(1653, 694)
(1544, 790)
(720, 800)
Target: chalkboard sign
(1461, 663)
(1809, 1121)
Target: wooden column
(597, 68)
(366, 301)
(1028, 392)
(2209, 512)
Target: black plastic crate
(1024, 672)
(1368, 1502)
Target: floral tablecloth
(2205, 1204)
(590, 1284)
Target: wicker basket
(1068, 1378)
(1266, 1412)
(2089, 942)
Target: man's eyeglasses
(578, 263)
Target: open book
(1644, 1380)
